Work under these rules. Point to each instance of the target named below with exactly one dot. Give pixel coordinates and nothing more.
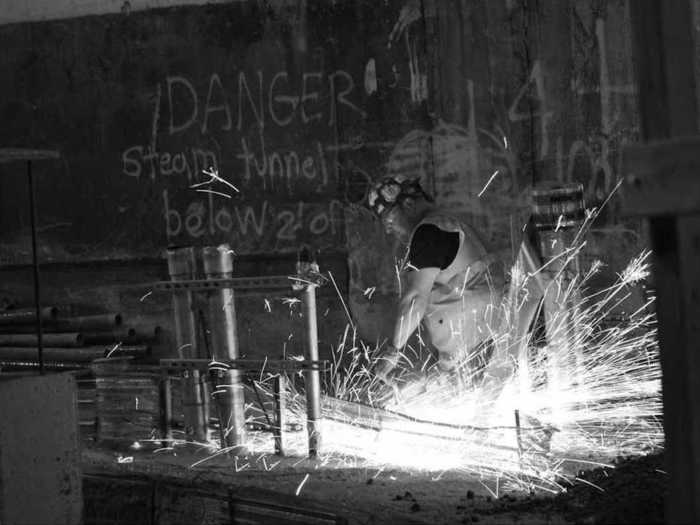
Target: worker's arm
(411, 310)
(413, 304)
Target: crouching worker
(452, 285)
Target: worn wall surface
(19, 11)
(518, 92)
(300, 106)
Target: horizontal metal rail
(271, 282)
(251, 365)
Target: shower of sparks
(488, 182)
(291, 301)
(220, 194)
(301, 485)
(590, 393)
(214, 177)
(114, 349)
(342, 301)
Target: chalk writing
(144, 161)
(256, 98)
(409, 14)
(283, 168)
(247, 223)
(544, 115)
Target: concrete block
(40, 479)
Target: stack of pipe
(74, 343)
(182, 266)
(69, 342)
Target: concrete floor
(358, 495)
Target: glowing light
(590, 393)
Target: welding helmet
(388, 192)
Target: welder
(453, 285)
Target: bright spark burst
(589, 394)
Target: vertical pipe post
(35, 268)
(519, 438)
(280, 406)
(312, 375)
(558, 212)
(166, 408)
(230, 396)
(181, 266)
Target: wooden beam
(662, 177)
(20, 154)
(664, 49)
(665, 55)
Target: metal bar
(272, 365)
(126, 335)
(181, 266)
(519, 438)
(312, 377)
(35, 269)
(25, 316)
(56, 339)
(213, 376)
(30, 364)
(271, 282)
(83, 354)
(280, 406)
(256, 390)
(218, 264)
(166, 409)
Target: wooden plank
(664, 45)
(663, 36)
(662, 177)
(19, 154)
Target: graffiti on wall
(252, 114)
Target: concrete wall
(40, 479)
(452, 91)
(17, 11)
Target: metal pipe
(25, 316)
(88, 323)
(84, 354)
(165, 390)
(230, 395)
(181, 266)
(35, 269)
(60, 339)
(126, 335)
(280, 406)
(312, 376)
(32, 364)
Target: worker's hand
(387, 362)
